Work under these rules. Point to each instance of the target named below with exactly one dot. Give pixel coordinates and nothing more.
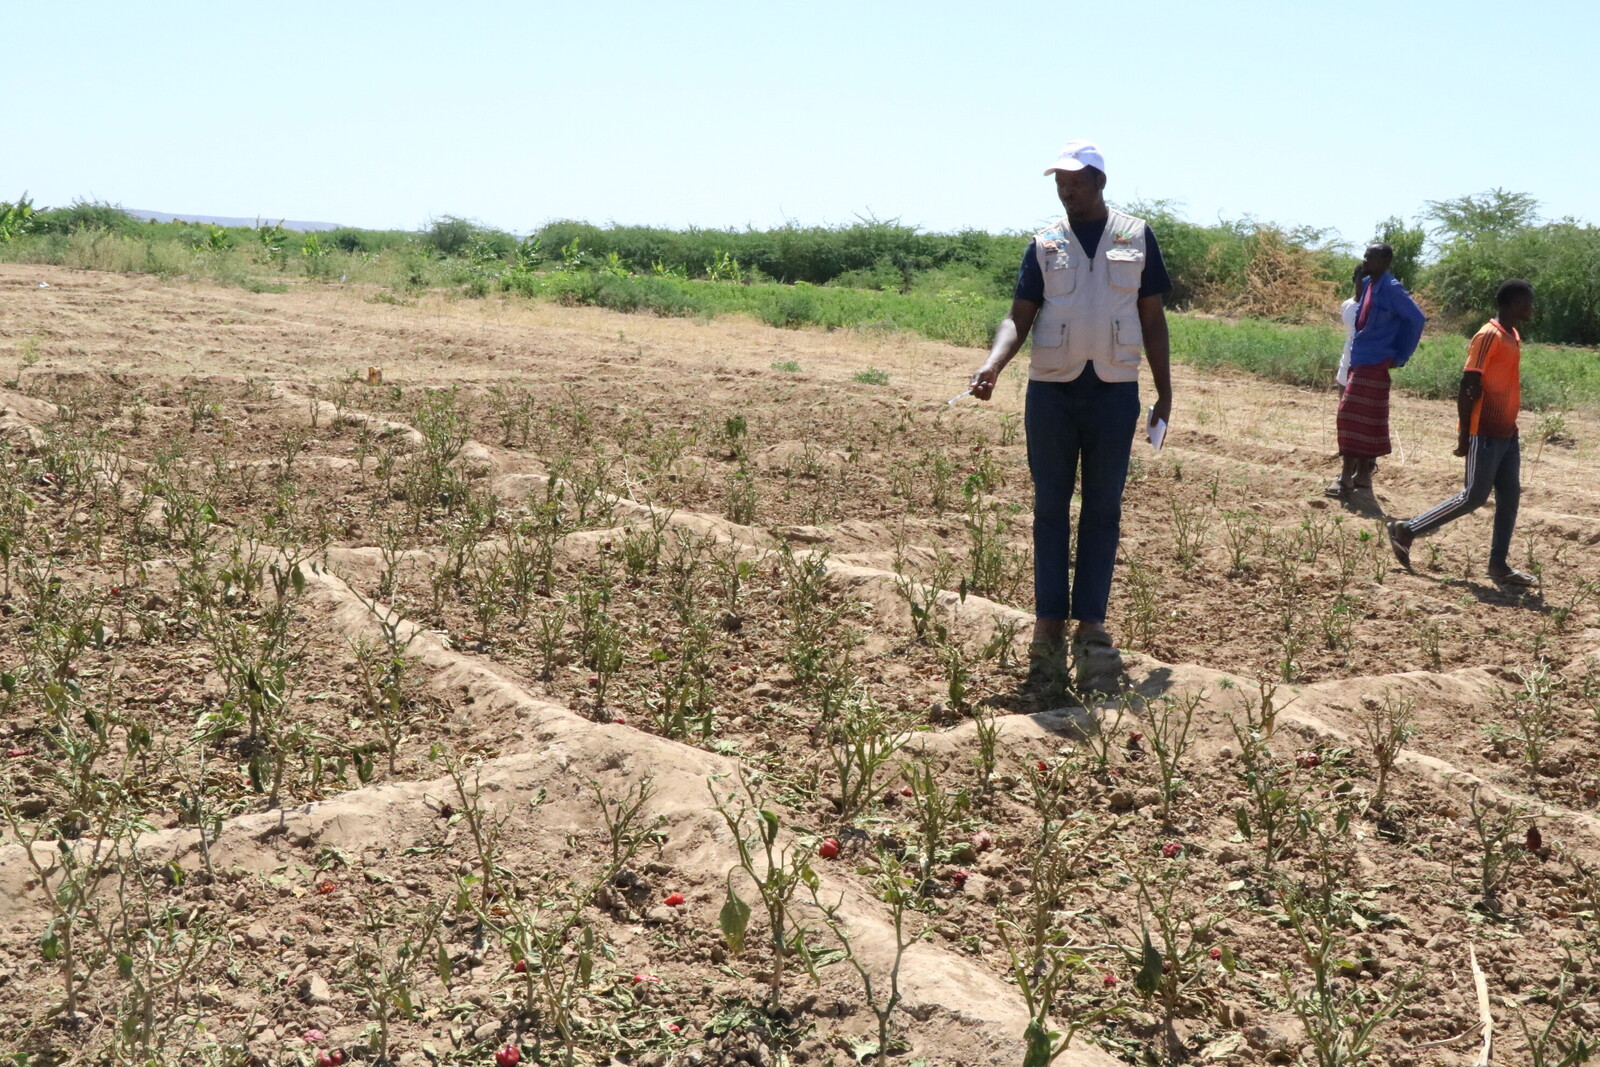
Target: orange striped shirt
(1495, 352)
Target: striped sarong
(1363, 421)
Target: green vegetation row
(1455, 254)
(1553, 376)
(1277, 286)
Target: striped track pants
(1493, 464)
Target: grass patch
(1552, 376)
(871, 376)
(787, 365)
(658, 296)
(794, 307)
(1307, 356)
(955, 316)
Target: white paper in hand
(1156, 430)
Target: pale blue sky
(940, 114)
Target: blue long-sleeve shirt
(1394, 326)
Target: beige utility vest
(1090, 311)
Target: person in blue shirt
(1388, 327)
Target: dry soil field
(607, 688)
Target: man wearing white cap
(1090, 291)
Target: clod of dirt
(314, 991)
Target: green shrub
(791, 309)
(881, 276)
(16, 218)
(1407, 242)
(350, 239)
(207, 238)
(871, 376)
(1562, 260)
(452, 236)
(656, 295)
(84, 215)
(1488, 237)
(815, 254)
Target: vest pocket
(1060, 274)
(1126, 267)
(1050, 335)
(1129, 336)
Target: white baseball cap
(1076, 155)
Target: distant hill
(221, 220)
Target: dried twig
(1485, 1019)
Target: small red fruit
(1216, 953)
(907, 791)
(1307, 760)
(521, 967)
(1109, 979)
(313, 1036)
(619, 720)
(326, 886)
(18, 752)
(594, 681)
(828, 849)
(642, 977)
(982, 841)
(1134, 738)
(325, 1059)
(1042, 766)
(960, 878)
(338, 1057)
(1171, 849)
(673, 1028)
(116, 590)
(674, 900)
(509, 1056)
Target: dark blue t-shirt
(1153, 280)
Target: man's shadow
(1363, 502)
(1486, 591)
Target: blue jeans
(1089, 421)
(1492, 463)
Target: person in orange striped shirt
(1487, 403)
